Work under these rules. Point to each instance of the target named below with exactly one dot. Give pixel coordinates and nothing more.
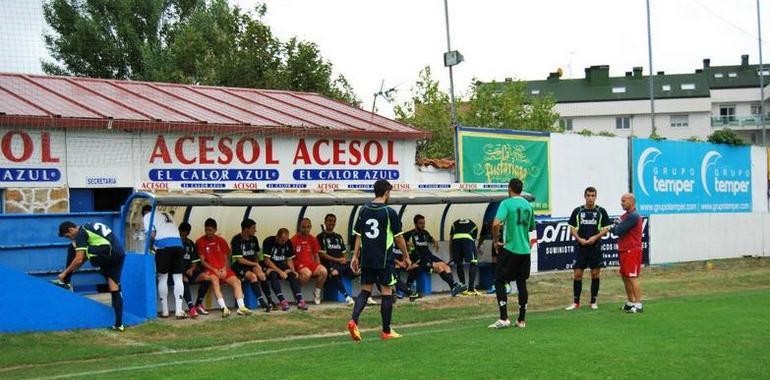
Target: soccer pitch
(702, 322)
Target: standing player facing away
(463, 245)
(245, 256)
(629, 231)
(513, 261)
(214, 252)
(377, 228)
(169, 257)
(334, 256)
(97, 243)
(588, 223)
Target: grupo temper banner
(556, 246)
(687, 177)
(496, 156)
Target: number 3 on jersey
(374, 229)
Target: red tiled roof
(53, 101)
(440, 163)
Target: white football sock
(163, 292)
(178, 292)
(240, 303)
(221, 302)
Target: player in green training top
(513, 262)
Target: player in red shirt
(307, 262)
(214, 254)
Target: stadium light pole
(652, 85)
(761, 80)
(451, 58)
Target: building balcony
(738, 122)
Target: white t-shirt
(166, 232)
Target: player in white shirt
(169, 257)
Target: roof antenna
(385, 94)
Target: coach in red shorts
(629, 231)
(307, 262)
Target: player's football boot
(201, 310)
(193, 312)
(414, 296)
(353, 329)
(350, 301)
(635, 309)
(626, 307)
(243, 311)
(62, 284)
(594, 306)
(284, 305)
(118, 328)
(500, 324)
(391, 335)
(180, 315)
(371, 301)
(459, 288)
(317, 296)
(302, 305)
(492, 289)
(225, 312)
(574, 306)
(521, 324)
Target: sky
(391, 41)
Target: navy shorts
(343, 269)
(588, 257)
(512, 267)
(380, 276)
(110, 263)
(464, 250)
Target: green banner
(496, 156)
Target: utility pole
(652, 73)
(761, 80)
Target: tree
(429, 110)
(507, 106)
(496, 105)
(725, 136)
(206, 42)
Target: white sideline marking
(231, 357)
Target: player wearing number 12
(101, 247)
(377, 228)
(513, 262)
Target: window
(727, 113)
(99, 199)
(535, 92)
(680, 121)
(688, 86)
(756, 110)
(565, 124)
(666, 87)
(623, 122)
(764, 72)
(618, 90)
(732, 75)
(719, 75)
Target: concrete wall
(759, 180)
(690, 237)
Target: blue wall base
(29, 304)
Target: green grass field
(699, 322)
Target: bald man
(307, 262)
(629, 232)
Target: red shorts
(312, 265)
(229, 274)
(631, 263)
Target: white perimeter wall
(691, 237)
(578, 162)
(759, 182)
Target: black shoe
(274, 307)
